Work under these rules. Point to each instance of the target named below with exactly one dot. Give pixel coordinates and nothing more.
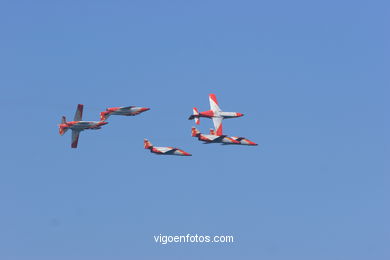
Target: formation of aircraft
(215, 136)
(77, 125)
(123, 111)
(215, 113)
(164, 150)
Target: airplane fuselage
(225, 139)
(122, 111)
(83, 125)
(216, 139)
(128, 111)
(172, 151)
(224, 115)
(164, 150)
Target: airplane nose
(251, 143)
(239, 114)
(143, 109)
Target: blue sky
(311, 78)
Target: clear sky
(311, 77)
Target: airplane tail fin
(104, 115)
(194, 132)
(147, 144)
(196, 115)
(212, 131)
(63, 128)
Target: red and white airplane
(123, 111)
(164, 150)
(213, 138)
(77, 125)
(215, 113)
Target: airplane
(242, 140)
(123, 111)
(164, 150)
(77, 125)
(215, 113)
(213, 138)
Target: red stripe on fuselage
(208, 113)
(112, 109)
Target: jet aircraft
(123, 111)
(215, 113)
(164, 150)
(242, 140)
(77, 125)
(213, 138)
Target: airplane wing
(75, 138)
(79, 113)
(165, 149)
(214, 103)
(218, 125)
(214, 138)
